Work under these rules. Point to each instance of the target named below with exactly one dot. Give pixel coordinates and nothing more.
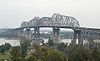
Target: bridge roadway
(74, 28)
(80, 33)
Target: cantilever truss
(55, 20)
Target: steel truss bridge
(57, 21)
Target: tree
(24, 43)
(43, 53)
(50, 42)
(15, 53)
(19, 52)
(88, 55)
(54, 55)
(2, 49)
(96, 54)
(62, 47)
(40, 52)
(7, 46)
(42, 42)
(31, 58)
(79, 53)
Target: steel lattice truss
(90, 34)
(55, 20)
(61, 20)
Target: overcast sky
(13, 12)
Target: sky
(14, 12)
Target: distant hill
(63, 33)
(4, 30)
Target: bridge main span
(57, 21)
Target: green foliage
(50, 42)
(96, 54)
(80, 53)
(19, 53)
(42, 42)
(54, 55)
(76, 53)
(47, 54)
(40, 52)
(62, 47)
(7, 46)
(4, 48)
(63, 52)
(31, 58)
(25, 43)
(15, 53)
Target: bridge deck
(74, 28)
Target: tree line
(49, 52)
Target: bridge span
(57, 21)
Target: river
(17, 42)
(12, 42)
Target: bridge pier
(28, 33)
(74, 38)
(36, 36)
(55, 35)
(80, 41)
(36, 32)
(77, 35)
(20, 33)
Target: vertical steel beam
(28, 33)
(36, 32)
(55, 34)
(80, 41)
(74, 38)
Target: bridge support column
(28, 33)
(80, 41)
(36, 36)
(36, 32)
(74, 38)
(77, 35)
(20, 33)
(56, 35)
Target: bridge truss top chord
(55, 20)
